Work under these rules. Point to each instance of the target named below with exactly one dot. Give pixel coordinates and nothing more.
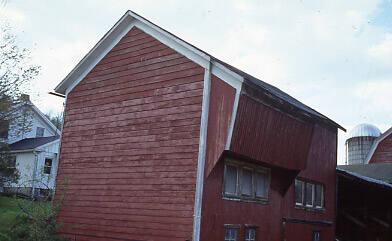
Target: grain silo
(359, 142)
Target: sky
(335, 56)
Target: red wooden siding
(130, 145)
(269, 217)
(222, 98)
(268, 135)
(383, 152)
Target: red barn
(164, 142)
(381, 151)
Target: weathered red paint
(269, 218)
(130, 148)
(130, 143)
(262, 132)
(220, 111)
(383, 152)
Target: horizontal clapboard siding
(383, 152)
(130, 145)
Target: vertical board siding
(268, 217)
(268, 135)
(383, 152)
(130, 145)
(220, 111)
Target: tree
(56, 119)
(16, 72)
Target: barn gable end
(130, 143)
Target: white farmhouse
(35, 153)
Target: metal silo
(359, 142)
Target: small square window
(48, 166)
(246, 182)
(40, 132)
(250, 234)
(299, 192)
(231, 180)
(309, 194)
(231, 234)
(316, 236)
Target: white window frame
(322, 196)
(231, 227)
(254, 169)
(306, 194)
(247, 238)
(302, 192)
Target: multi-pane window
(48, 166)
(309, 194)
(246, 181)
(39, 132)
(250, 234)
(316, 236)
(231, 234)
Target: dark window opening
(4, 127)
(40, 132)
(48, 166)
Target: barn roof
(199, 56)
(379, 174)
(32, 143)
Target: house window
(12, 162)
(48, 166)
(231, 234)
(309, 194)
(244, 181)
(250, 234)
(4, 127)
(39, 132)
(316, 236)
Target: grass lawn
(10, 209)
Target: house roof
(379, 174)
(201, 57)
(32, 143)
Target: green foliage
(29, 220)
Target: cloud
(376, 95)
(12, 15)
(383, 51)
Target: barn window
(309, 194)
(316, 236)
(246, 181)
(39, 132)
(250, 234)
(299, 192)
(48, 166)
(231, 180)
(309, 187)
(231, 233)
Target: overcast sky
(335, 56)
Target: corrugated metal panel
(130, 145)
